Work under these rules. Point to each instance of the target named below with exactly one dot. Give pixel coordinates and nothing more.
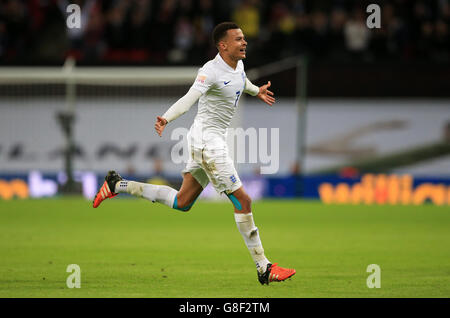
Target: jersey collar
(228, 67)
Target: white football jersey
(221, 87)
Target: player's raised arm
(262, 92)
(177, 109)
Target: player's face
(235, 44)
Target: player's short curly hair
(221, 29)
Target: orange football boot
(107, 189)
(275, 273)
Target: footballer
(218, 87)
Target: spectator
(396, 35)
(164, 28)
(140, 18)
(3, 39)
(425, 40)
(116, 32)
(183, 40)
(337, 39)
(320, 35)
(204, 23)
(441, 47)
(302, 34)
(15, 23)
(282, 27)
(177, 31)
(93, 44)
(357, 34)
(247, 16)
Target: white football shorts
(211, 162)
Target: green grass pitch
(133, 248)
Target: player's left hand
(265, 95)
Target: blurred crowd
(178, 32)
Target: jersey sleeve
(205, 79)
(250, 88)
(182, 105)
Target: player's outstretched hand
(265, 95)
(160, 125)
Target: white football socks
(155, 193)
(250, 233)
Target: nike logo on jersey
(226, 82)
